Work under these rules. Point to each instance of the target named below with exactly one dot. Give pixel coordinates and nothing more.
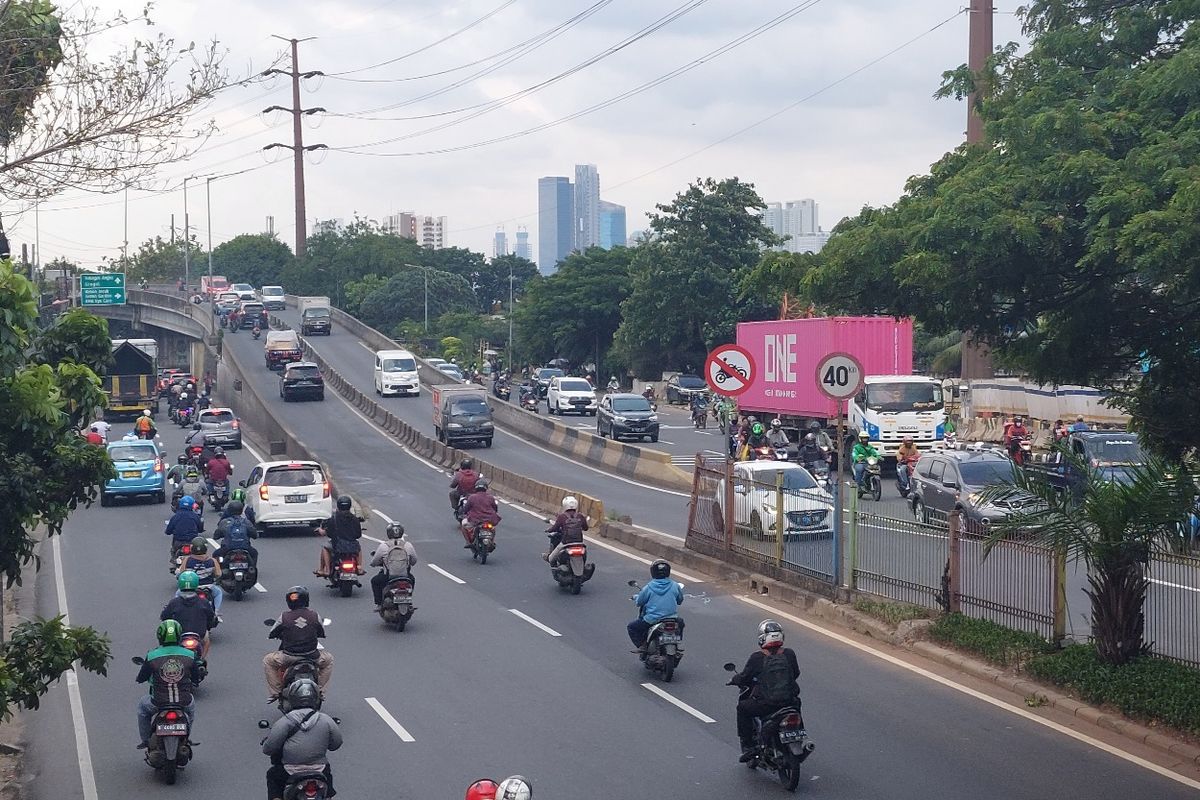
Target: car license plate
(295, 498)
(789, 736)
(171, 729)
(131, 473)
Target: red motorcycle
(1020, 448)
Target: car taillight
(790, 721)
(575, 551)
(263, 494)
(325, 489)
(171, 716)
(310, 789)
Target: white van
(396, 373)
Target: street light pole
(187, 261)
(426, 271)
(510, 316)
(208, 212)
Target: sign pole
(839, 536)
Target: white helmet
(145, 412)
(570, 504)
(514, 788)
(770, 633)
(777, 423)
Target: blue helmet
(187, 501)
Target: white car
(288, 494)
(452, 370)
(436, 362)
(396, 373)
(244, 291)
(808, 508)
(571, 395)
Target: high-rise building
(797, 222)
(556, 222)
(522, 249)
(636, 238)
(433, 232)
(612, 225)
(500, 244)
(402, 223)
(587, 206)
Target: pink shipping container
(786, 353)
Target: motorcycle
(782, 745)
(170, 748)
(906, 468)
(238, 573)
(700, 416)
(460, 511)
(1020, 448)
(257, 332)
(184, 417)
(343, 573)
(573, 569)
(302, 785)
(503, 392)
(179, 553)
(664, 645)
(484, 541)
(397, 607)
(195, 643)
(304, 668)
(529, 401)
(819, 469)
(871, 483)
(219, 495)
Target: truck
(132, 382)
(316, 315)
(462, 414)
(211, 287)
(892, 404)
(282, 348)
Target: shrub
(994, 643)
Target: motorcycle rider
(239, 496)
(906, 454)
(144, 426)
(770, 673)
(344, 530)
(172, 672)
(859, 455)
(257, 331)
(191, 483)
(481, 507)
(1061, 431)
(193, 612)
(568, 528)
(1014, 433)
(207, 569)
(218, 468)
(1079, 425)
(697, 406)
(297, 630)
(93, 436)
(810, 451)
(756, 438)
(234, 532)
(823, 439)
(463, 481)
(183, 526)
(395, 558)
(658, 600)
(175, 474)
(102, 427)
(299, 740)
(613, 384)
(777, 438)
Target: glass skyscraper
(556, 222)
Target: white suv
(287, 494)
(571, 394)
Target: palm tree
(1113, 523)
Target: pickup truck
(282, 348)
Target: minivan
(272, 298)
(396, 373)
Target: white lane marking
(445, 574)
(389, 720)
(534, 622)
(372, 538)
(382, 516)
(1174, 585)
(658, 533)
(958, 687)
(258, 587)
(87, 776)
(257, 455)
(675, 701)
(627, 554)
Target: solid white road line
(675, 701)
(87, 776)
(382, 516)
(534, 622)
(258, 587)
(958, 687)
(389, 720)
(659, 533)
(257, 455)
(445, 574)
(674, 572)
(1175, 585)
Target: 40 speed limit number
(839, 376)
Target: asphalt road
(471, 688)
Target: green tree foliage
(686, 288)
(357, 291)
(577, 310)
(473, 330)
(30, 49)
(403, 297)
(258, 259)
(1069, 244)
(48, 385)
(160, 260)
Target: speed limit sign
(839, 376)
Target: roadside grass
(996, 644)
(892, 613)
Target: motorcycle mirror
(270, 622)
(729, 667)
(138, 660)
(242, 484)
(263, 724)
(633, 584)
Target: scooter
(906, 469)
(302, 785)
(1020, 449)
(573, 569)
(529, 402)
(484, 541)
(700, 416)
(819, 469)
(397, 607)
(238, 573)
(170, 748)
(782, 744)
(257, 332)
(664, 645)
(344, 572)
(503, 392)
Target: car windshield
(469, 405)
(631, 404)
(548, 373)
(985, 473)
(399, 365)
(132, 452)
(242, 287)
(574, 386)
(450, 369)
(252, 307)
(293, 476)
(317, 312)
(303, 372)
(1113, 452)
(217, 417)
(691, 382)
(904, 396)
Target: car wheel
(105, 500)
(654, 438)
(161, 497)
(321, 396)
(920, 512)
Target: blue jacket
(659, 599)
(184, 525)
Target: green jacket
(862, 452)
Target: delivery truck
(462, 414)
(893, 403)
(316, 315)
(132, 382)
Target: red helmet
(482, 789)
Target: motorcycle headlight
(872, 461)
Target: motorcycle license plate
(790, 736)
(171, 729)
(238, 565)
(131, 473)
(668, 638)
(295, 498)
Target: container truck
(132, 382)
(892, 404)
(316, 315)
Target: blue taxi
(140, 471)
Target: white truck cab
(891, 407)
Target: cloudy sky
(404, 137)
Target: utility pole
(187, 258)
(208, 212)
(297, 146)
(977, 359)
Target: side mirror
(729, 666)
(263, 724)
(138, 660)
(950, 484)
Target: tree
(258, 259)
(686, 277)
(403, 297)
(1113, 527)
(337, 256)
(158, 260)
(1068, 243)
(48, 386)
(491, 283)
(357, 291)
(576, 311)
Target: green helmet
(238, 496)
(169, 632)
(189, 581)
(757, 429)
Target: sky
(840, 120)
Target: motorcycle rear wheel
(668, 670)
(576, 586)
(169, 771)
(346, 588)
(401, 622)
(789, 771)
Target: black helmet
(302, 693)
(395, 530)
(182, 459)
(297, 597)
(660, 569)
(810, 439)
(467, 463)
(813, 425)
(218, 451)
(481, 485)
(343, 502)
(234, 508)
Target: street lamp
(510, 317)
(426, 271)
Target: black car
(626, 415)
(542, 378)
(255, 311)
(681, 388)
(947, 479)
(301, 379)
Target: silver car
(221, 426)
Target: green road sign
(102, 289)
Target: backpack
(775, 683)
(572, 528)
(237, 532)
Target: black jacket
(193, 613)
(748, 677)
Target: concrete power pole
(976, 359)
(297, 146)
